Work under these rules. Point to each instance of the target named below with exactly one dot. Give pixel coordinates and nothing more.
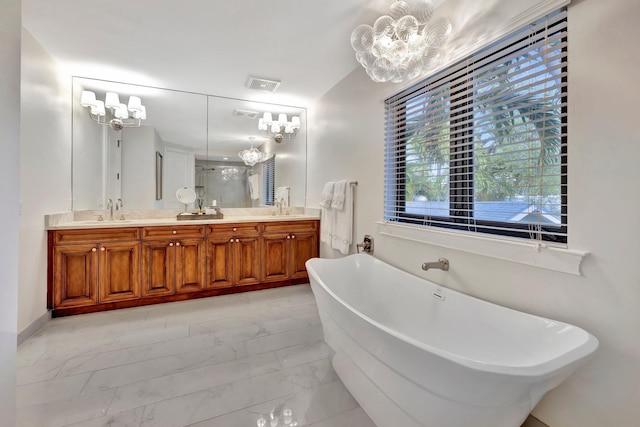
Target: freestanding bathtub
(415, 354)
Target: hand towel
(327, 195)
(254, 186)
(326, 225)
(342, 228)
(339, 195)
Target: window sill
(540, 255)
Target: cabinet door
(190, 265)
(246, 260)
(75, 278)
(275, 263)
(220, 262)
(304, 246)
(119, 271)
(158, 268)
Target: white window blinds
(482, 145)
(268, 180)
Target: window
(482, 145)
(268, 180)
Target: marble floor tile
(220, 361)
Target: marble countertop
(73, 220)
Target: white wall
(89, 158)
(45, 169)
(139, 167)
(10, 23)
(346, 141)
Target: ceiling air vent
(258, 83)
(245, 113)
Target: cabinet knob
(171, 244)
(288, 237)
(231, 240)
(93, 250)
(293, 236)
(177, 243)
(237, 240)
(174, 232)
(102, 249)
(235, 229)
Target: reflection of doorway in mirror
(113, 168)
(178, 169)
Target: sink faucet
(110, 207)
(442, 264)
(119, 207)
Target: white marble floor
(224, 361)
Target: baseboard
(33, 327)
(532, 421)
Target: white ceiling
(206, 46)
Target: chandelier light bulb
(403, 44)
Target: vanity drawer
(290, 226)
(248, 228)
(95, 235)
(172, 232)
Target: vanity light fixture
(113, 113)
(279, 129)
(402, 44)
(252, 156)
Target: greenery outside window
(482, 145)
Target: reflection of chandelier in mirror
(229, 172)
(111, 112)
(279, 129)
(252, 156)
(403, 44)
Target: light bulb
(267, 117)
(88, 99)
(112, 100)
(135, 103)
(282, 119)
(98, 110)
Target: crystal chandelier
(113, 113)
(403, 44)
(279, 129)
(252, 156)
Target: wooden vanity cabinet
(233, 255)
(109, 268)
(286, 248)
(173, 260)
(94, 266)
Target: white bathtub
(415, 354)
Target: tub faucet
(442, 264)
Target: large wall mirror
(187, 140)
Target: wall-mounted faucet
(366, 245)
(441, 264)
